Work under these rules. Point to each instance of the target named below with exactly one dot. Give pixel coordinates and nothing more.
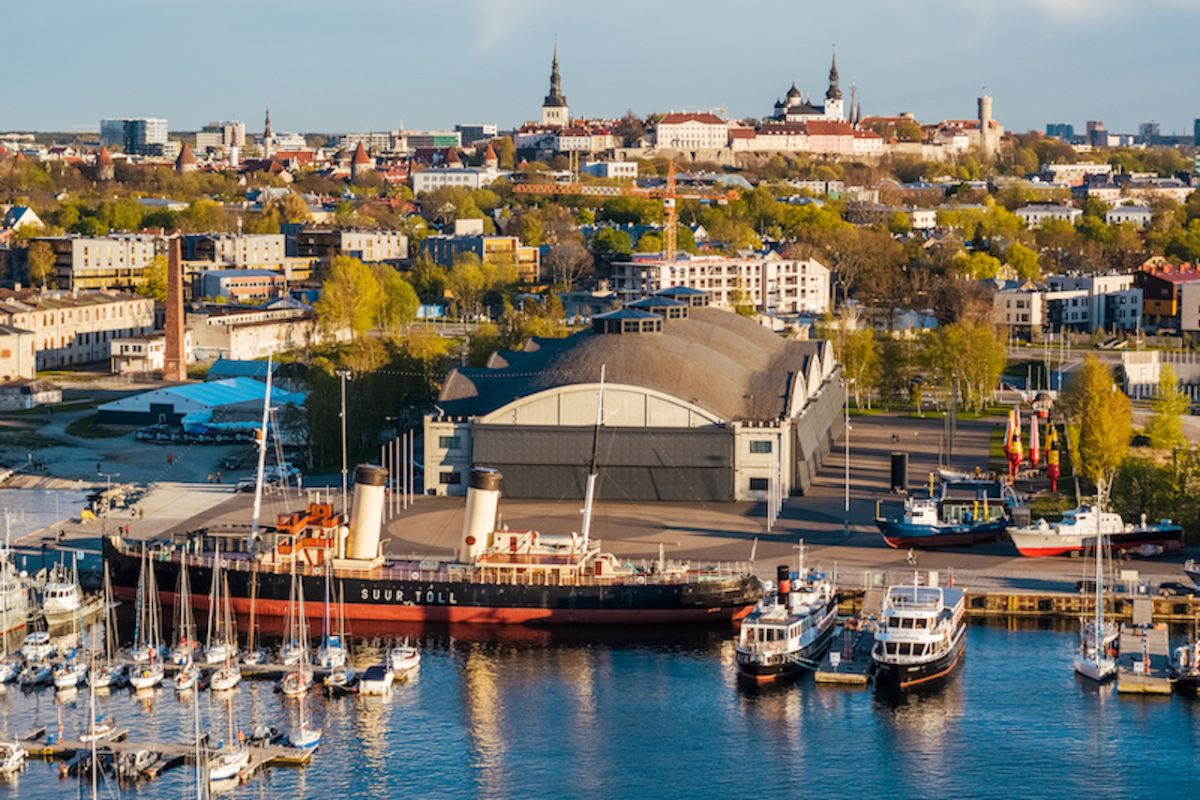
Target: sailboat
(299, 679)
(1098, 637)
(332, 652)
(222, 646)
(147, 671)
(112, 671)
(232, 757)
(14, 598)
(185, 623)
(253, 655)
(73, 669)
(229, 675)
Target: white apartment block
(691, 131)
(1076, 302)
(769, 282)
(611, 169)
(108, 262)
(1034, 215)
(1137, 216)
(247, 334)
(429, 180)
(75, 327)
(235, 250)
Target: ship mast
(1098, 637)
(262, 458)
(593, 473)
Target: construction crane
(668, 193)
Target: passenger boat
(377, 680)
(921, 637)
(1078, 530)
(963, 513)
(404, 660)
(499, 576)
(789, 631)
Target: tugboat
(965, 512)
(922, 635)
(788, 632)
(1079, 528)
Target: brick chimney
(174, 366)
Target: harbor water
(534, 714)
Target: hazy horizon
(376, 65)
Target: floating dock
(1001, 603)
(848, 661)
(1143, 666)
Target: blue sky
(353, 65)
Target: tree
(154, 280)
(612, 240)
(898, 224)
(1165, 427)
(399, 300)
(1099, 421)
(978, 265)
(649, 242)
(505, 152)
(1024, 261)
(40, 259)
(467, 282)
(429, 280)
(569, 262)
(860, 360)
(970, 354)
(350, 297)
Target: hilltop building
(554, 106)
(794, 108)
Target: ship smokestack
(479, 520)
(366, 512)
(783, 577)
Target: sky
(358, 65)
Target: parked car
(231, 462)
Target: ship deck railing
(511, 575)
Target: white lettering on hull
(429, 597)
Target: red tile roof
(820, 127)
(705, 117)
(360, 155)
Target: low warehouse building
(191, 403)
(701, 405)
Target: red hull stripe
(399, 612)
(934, 677)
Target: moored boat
(404, 660)
(1078, 530)
(377, 680)
(921, 637)
(963, 513)
(789, 630)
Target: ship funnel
(366, 512)
(783, 577)
(479, 521)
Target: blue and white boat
(963, 513)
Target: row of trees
(361, 298)
(967, 356)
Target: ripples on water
(546, 715)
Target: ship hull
(778, 671)
(385, 599)
(901, 535)
(1038, 544)
(929, 673)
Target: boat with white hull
(1078, 530)
(789, 631)
(922, 636)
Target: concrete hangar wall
(705, 407)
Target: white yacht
(377, 680)
(790, 629)
(922, 635)
(405, 658)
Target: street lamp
(108, 476)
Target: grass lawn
(89, 427)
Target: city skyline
(1041, 59)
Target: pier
(1143, 667)
(848, 661)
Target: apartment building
(770, 283)
(103, 262)
(324, 244)
(493, 249)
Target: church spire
(267, 124)
(555, 79)
(834, 92)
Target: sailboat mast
(590, 496)
(262, 457)
(1099, 636)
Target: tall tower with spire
(833, 95)
(268, 137)
(554, 107)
